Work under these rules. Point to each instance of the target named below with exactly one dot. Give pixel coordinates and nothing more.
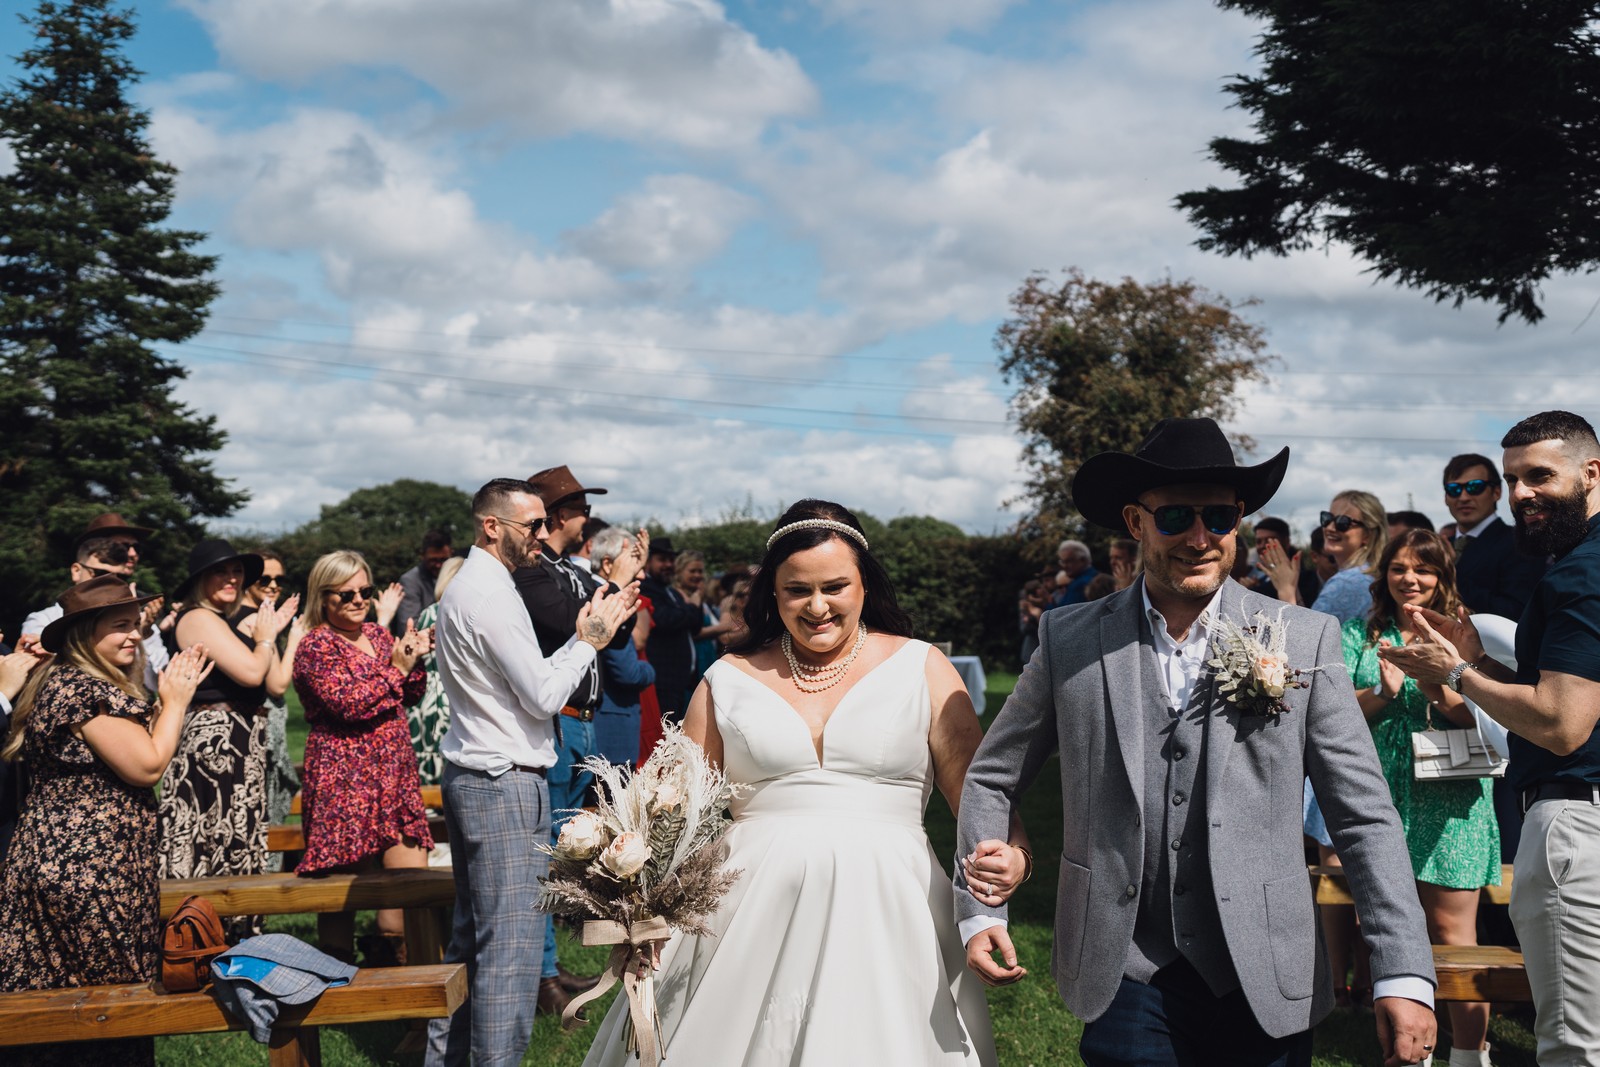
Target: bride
(838, 944)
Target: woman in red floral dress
(361, 800)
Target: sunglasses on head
(1472, 488)
(344, 596)
(1342, 523)
(1173, 519)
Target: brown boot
(552, 998)
(575, 983)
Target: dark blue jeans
(1176, 1021)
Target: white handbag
(1445, 754)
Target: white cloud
(656, 70)
(675, 221)
(916, 19)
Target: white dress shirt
(503, 691)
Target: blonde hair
(446, 572)
(1377, 522)
(327, 574)
(77, 650)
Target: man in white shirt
(505, 703)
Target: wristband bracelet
(1027, 862)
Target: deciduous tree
(1097, 365)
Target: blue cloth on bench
(255, 978)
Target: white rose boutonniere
(1253, 670)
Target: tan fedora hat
(90, 598)
(111, 523)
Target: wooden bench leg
(299, 1047)
(427, 930)
(336, 934)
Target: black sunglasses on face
(577, 509)
(269, 579)
(1342, 523)
(534, 527)
(344, 596)
(1472, 488)
(1174, 519)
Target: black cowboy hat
(662, 546)
(1176, 452)
(209, 553)
(89, 598)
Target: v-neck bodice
(875, 760)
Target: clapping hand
(149, 614)
(183, 675)
(1390, 676)
(389, 603)
(993, 872)
(1123, 572)
(604, 614)
(626, 567)
(15, 668)
(1431, 656)
(411, 646)
(1284, 571)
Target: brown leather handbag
(192, 939)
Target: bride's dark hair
(881, 612)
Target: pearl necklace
(809, 679)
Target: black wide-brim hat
(209, 553)
(90, 598)
(1176, 452)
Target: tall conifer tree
(90, 280)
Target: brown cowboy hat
(107, 525)
(1177, 452)
(89, 598)
(556, 485)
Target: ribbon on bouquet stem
(633, 961)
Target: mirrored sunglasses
(1173, 519)
(1472, 488)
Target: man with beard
(1551, 704)
(505, 705)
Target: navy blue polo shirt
(1560, 632)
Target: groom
(1185, 930)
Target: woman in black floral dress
(81, 903)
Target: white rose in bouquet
(626, 855)
(583, 835)
(666, 797)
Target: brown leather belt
(581, 714)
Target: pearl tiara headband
(819, 524)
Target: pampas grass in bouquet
(646, 862)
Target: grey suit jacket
(1083, 695)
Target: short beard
(513, 552)
(1565, 525)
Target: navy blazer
(1492, 576)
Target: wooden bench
(1465, 972)
(92, 1013)
(424, 893)
(432, 797)
(1480, 972)
(1329, 886)
(291, 837)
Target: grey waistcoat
(1177, 908)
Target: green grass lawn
(1032, 1027)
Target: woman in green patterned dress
(1449, 825)
(429, 717)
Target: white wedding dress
(838, 945)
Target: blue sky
(710, 254)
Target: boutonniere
(1252, 666)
